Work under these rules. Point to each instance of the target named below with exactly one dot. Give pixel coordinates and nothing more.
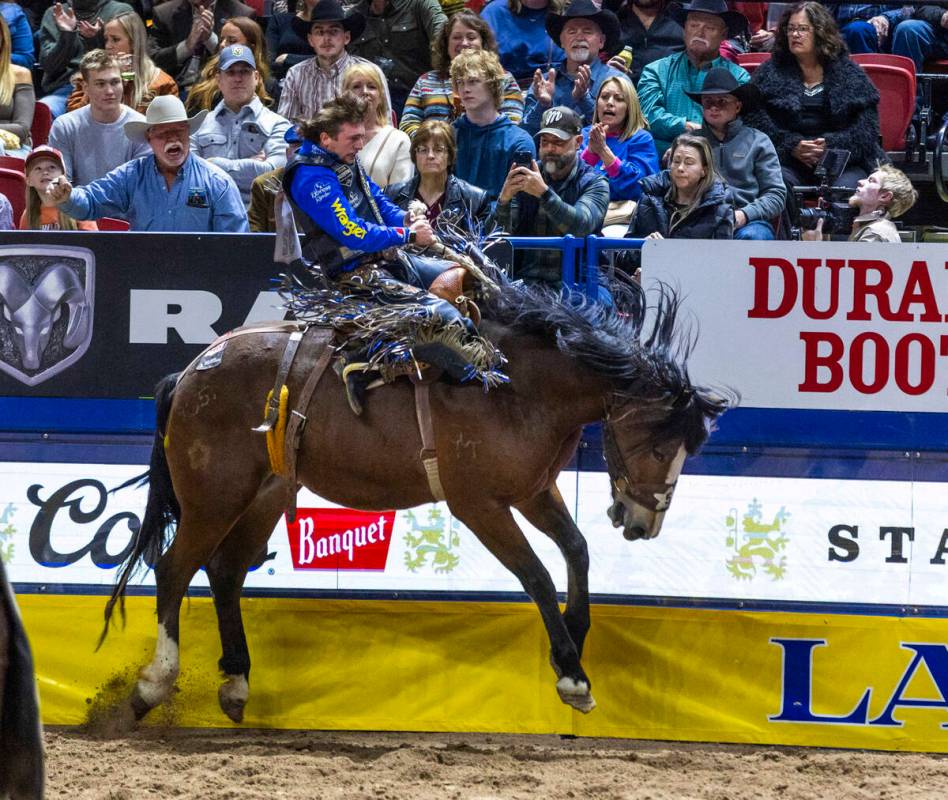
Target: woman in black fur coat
(816, 98)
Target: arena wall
(795, 595)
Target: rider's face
(347, 143)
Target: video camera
(832, 202)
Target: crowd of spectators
(521, 116)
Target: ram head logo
(32, 308)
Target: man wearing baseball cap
(171, 190)
(241, 135)
(560, 195)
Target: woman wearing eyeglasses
(816, 98)
(451, 202)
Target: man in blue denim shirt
(171, 190)
(868, 28)
(240, 135)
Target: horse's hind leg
(227, 571)
(499, 532)
(199, 533)
(547, 512)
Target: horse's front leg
(548, 513)
(499, 532)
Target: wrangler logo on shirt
(349, 228)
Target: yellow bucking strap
(276, 436)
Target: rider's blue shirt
(317, 192)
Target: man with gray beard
(649, 30)
(583, 30)
(171, 190)
(561, 195)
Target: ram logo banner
(47, 298)
(340, 539)
(758, 546)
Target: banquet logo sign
(835, 291)
(340, 539)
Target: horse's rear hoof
(139, 706)
(575, 694)
(232, 696)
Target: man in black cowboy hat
(744, 156)
(310, 84)
(398, 36)
(664, 84)
(582, 30)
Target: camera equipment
(832, 202)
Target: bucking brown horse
(571, 363)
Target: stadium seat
(42, 122)
(894, 78)
(112, 224)
(750, 61)
(12, 162)
(884, 58)
(13, 185)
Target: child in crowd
(43, 164)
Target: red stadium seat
(894, 78)
(12, 162)
(884, 58)
(13, 185)
(112, 224)
(42, 122)
(750, 61)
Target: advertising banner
(107, 315)
(729, 538)
(815, 325)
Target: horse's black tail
(162, 510)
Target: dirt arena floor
(286, 765)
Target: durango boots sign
(816, 325)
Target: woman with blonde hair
(43, 165)
(125, 38)
(685, 201)
(386, 157)
(619, 145)
(204, 95)
(17, 99)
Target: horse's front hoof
(575, 694)
(232, 696)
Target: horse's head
(645, 444)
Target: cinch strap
(429, 454)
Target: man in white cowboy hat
(171, 190)
(310, 84)
(664, 84)
(241, 136)
(744, 156)
(582, 30)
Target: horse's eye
(659, 456)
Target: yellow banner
(657, 673)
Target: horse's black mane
(641, 350)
